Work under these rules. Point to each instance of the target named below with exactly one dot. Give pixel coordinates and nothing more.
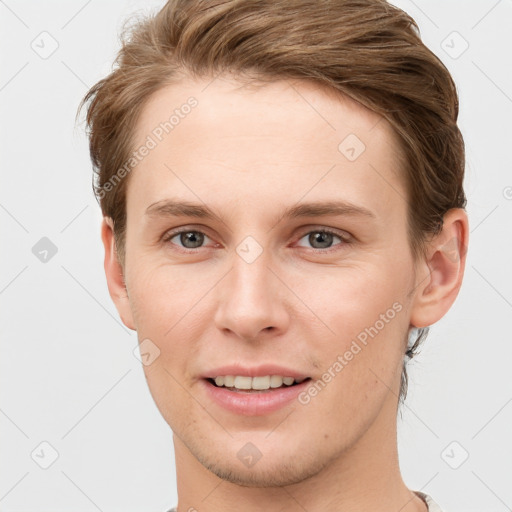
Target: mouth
(260, 384)
(243, 395)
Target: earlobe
(439, 282)
(114, 274)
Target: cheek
(162, 300)
(367, 311)
(354, 298)
(161, 295)
(168, 306)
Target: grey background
(68, 373)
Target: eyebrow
(173, 208)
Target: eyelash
(344, 239)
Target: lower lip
(254, 403)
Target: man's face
(263, 292)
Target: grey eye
(190, 239)
(321, 239)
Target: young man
(281, 184)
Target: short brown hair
(366, 49)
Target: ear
(114, 273)
(439, 275)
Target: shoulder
(432, 505)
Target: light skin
(249, 154)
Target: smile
(253, 396)
(263, 383)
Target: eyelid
(344, 236)
(171, 233)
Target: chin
(270, 475)
(274, 468)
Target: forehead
(258, 141)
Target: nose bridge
(250, 301)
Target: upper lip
(254, 371)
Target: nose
(252, 301)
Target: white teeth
(261, 382)
(229, 381)
(258, 383)
(243, 382)
(276, 381)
